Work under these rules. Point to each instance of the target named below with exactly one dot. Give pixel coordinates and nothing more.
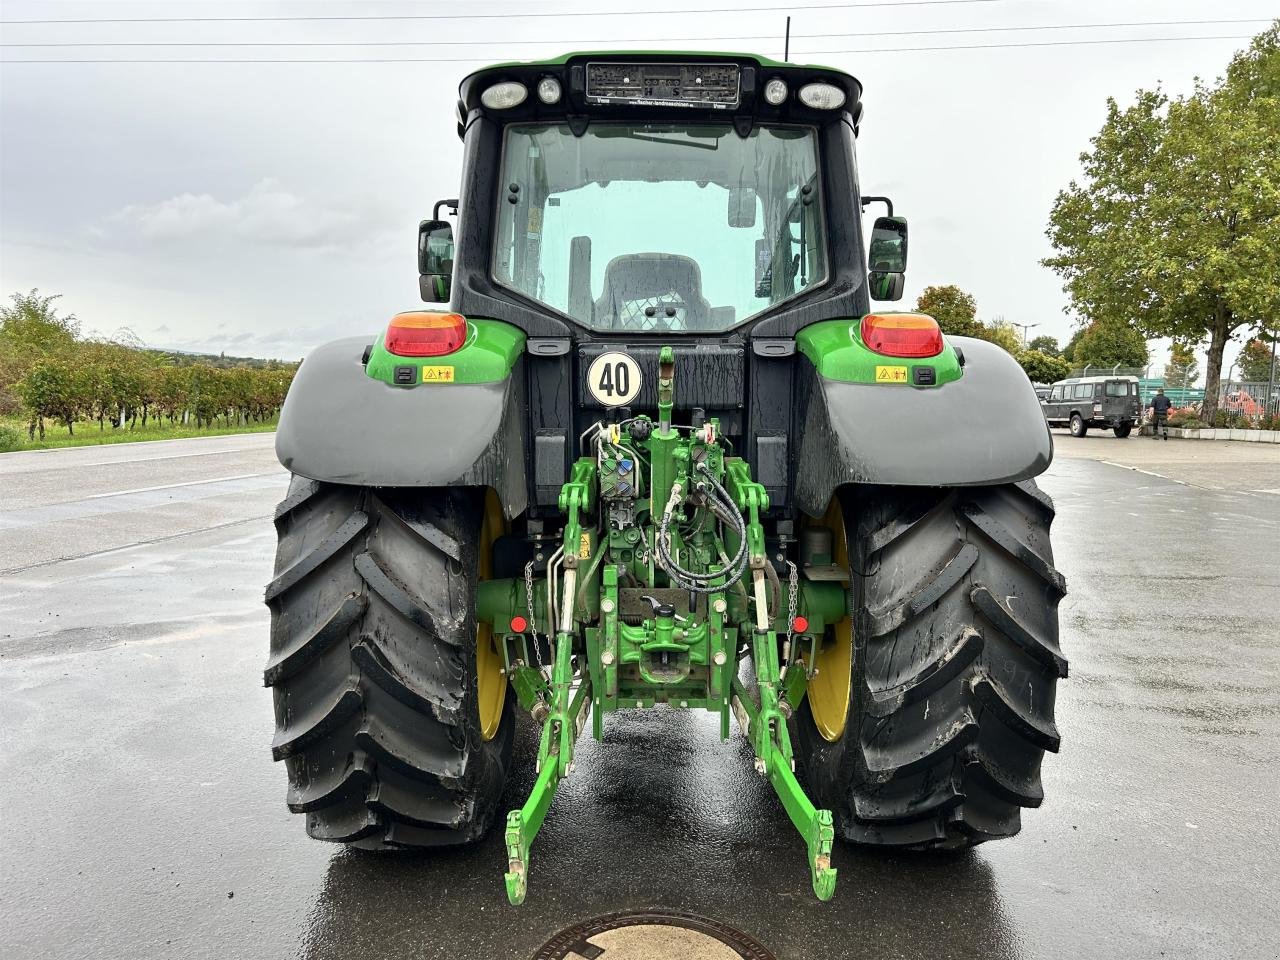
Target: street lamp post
(1271, 381)
(1024, 327)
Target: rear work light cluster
(421, 333)
(902, 334)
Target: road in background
(141, 815)
(72, 502)
(1226, 465)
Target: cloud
(267, 215)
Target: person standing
(1159, 406)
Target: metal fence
(1249, 397)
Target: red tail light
(902, 334)
(423, 334)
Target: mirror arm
(885, 200)
(453, 208)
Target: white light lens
(821, 96)
(504, 96)
(549, 90)
(775, 91)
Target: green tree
(1176, 225)
(55, 388)
(1182, 369)
(955, 310)
(1255, 361)
(1043, 367)
(1045, 344)
(1002, 334)
(1109, 343)
(30, 329)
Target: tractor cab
(613, 203)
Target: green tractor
(655, 448)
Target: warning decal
(437, 374)
(891, 374)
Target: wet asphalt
(141, 815)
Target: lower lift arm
(766, 724)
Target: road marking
(171, 456)
(124, 502)
(170, 486)
(1276, 491)
(1149, 473)
(130, 546)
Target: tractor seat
(635, 281)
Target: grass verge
(13, 434)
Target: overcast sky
(263, 208)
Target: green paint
(836, 349)
(487, 356)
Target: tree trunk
(1218, 334)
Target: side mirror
(886, 286)
(742, 207)
(888, 250)
(435, 260)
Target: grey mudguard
(985, 428)
(340, 425)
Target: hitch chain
(793, 597)
(533, 628)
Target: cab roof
(578, 105)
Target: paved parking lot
(141, 816)
(1230, 465)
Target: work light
(505, 95)
(775, 91)
(549, 90)
(822, 96)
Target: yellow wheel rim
(828, 692)
(491, 685)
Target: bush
(10, 439)
(1269, 421)
(1233, 419)
(1191, 423)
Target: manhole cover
(652, 935)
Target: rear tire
(1123, 430)
(373, 666)
(955, 661)
(1078, 427)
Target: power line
(521, 16)
(812, 53)
(504, 43)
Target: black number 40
(615, 378)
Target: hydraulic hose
(732, 570)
